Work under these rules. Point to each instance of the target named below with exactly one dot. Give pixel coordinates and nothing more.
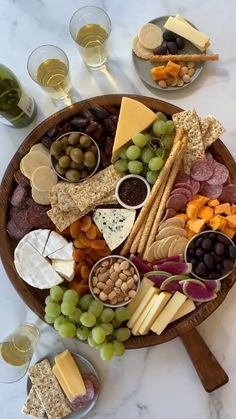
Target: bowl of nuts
(114, 280)
(75, 156)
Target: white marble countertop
(159, 382)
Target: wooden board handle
(208, 368)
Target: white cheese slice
(54, 243)
(159, 302)
(114, 224)
(37, 239)
(186, 308)
(168, 312)
(135, 330)
(141, 307)
(145, 285)
(65, 253)
(185, 30)
(33, 268)
(66, 268)
(188, 24)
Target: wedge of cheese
(69, 376)
(65, 253)
(134, 118)
(159, 302)
(38, 239)
(145, 285)
(168, 313)
(54, 243)
(186, 308)
(184, 29)
(65, 268)
(142, 306)
(188, 24)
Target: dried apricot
(99, 234)
(78, 244)
(95, 256)
(78, 268)
(86, 223)
(103, 253)
(98, 244)
(85, 272)
(78, 255)
(84, 240)
(65, 232)
(89, 261)
(91, 234)
(80, 288)
(75, 229)
(83, 282)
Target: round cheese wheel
(43, 179)
(41, 198)
(40, 147)
(32, 161)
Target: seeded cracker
(195, 148)
(185, 119)
(214, 131)
(204, 125)
(33, 406)
(48, 390)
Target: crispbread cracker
(48, 390)
(204, 125)
(140, 50)
(185, 119)
(33, 406)
(214, 131)
(195, 149)
(63, 219)
(65, 201)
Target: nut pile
(114, 281)
(186, 72)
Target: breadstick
(165, 196)
(145, 209)
(184, 57)
(134, 246)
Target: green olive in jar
(73, 175)
(73, 138)
(85, 141)
(89, 159)
(83, 174)
(56, 148)
(64, 162)
(77, 166)
(77, 155)
(64, 142)
(60, 169)
(68, 149)
(94, 149)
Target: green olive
(73, 138)
(73, 175)
(68, 149)
(83, 174)
(85, 141)
(94, 149)
(89, 159)
(64, 162)
(77, 166)
(60, 169)
(64, 142)
(77, 155)
(56, 148)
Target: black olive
(206, 244)
(162, 50)
(191, 252)
(180, 42)
(199, 252)
(199, 242)
(223, 239)
(215, 275)
(53, 132)
(232, 251)
(219, 267)
(200, 269)
(169, 36)
(209, 261)
(219, 248)
(212, 236)
(228, 265)
(172, 47)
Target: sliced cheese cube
(188, 24)
(168, 313)
(141, 307)
(185, 30)
(186, 308)
(159, 302)
(71, 377)
(54, 243)
(145, 285)
(144, 314)
(62, 383)
(66, 268)
(65, 253)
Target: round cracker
(32, 161)
(151, 252)
(150, 36)
(40, 147)
(178, 246)
(140, 50)
(174, 222)
(164, 246)
(43, 179)
(171, 231)
(41, 198)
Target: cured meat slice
(177, 202)
(228, 194)
(195, 186)
(94, 380)
(183, 191)
(182, 185)
(82, 401)
(220, 174)
(170, 212)
(21, 179)
(14, 231)
(20, 219)
(211, 191)
(182, 177)
(201, 170)
(18, 196)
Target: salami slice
(201, 170)
(170, 212)
(34, 214)
(14, 231)
(182, 185)
(182, 177)
(195, 186)
(177, 202)
(82, 401)
(211, 191)
(18, 196)
(220, 175)
(13, 211)
(21, 179)
(183, 191)
(21, 220)
(94, 380)
(228, 194)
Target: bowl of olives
(75, 156)
(212, 254)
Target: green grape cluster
(144, 157)
(88, 320)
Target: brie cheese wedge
(66, 268)
(54, 243)
(65, 253)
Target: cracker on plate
(195, 148)
(204, 125)
(214, 131)
(33, 406)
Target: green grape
(75, 317)
(135, 167)
(53, 309)
(82, 333)
(148, 137)
(85, 301)
(167, 141)
(118, 348)
(147, 154)
(170, 126)
(116, 323)
(88, 319)
(107, 327)
(106, 351)
(122, 314)
(140, 140)
(98, 334)
(122, 334)
(49, 319)
(56, 293)
(121, 166)
(107, 315)
(133, 152)
(59, 321)
(160, 117)
(144, 171)
(122, 153)
(96, 307)
(92, 343)
(159, 128)
(67, 330)
(152, 176)
(48, 300)
(155, 163)
(67, 308)
(71, 296)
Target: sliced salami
(211, 191)
(21, 179)
(94, 380)
(195, 186)
(201, 170)
(13, 211)
(14, 231)
(18, 197)
(220, 175)
(170, 212)
(182, 185)
(177, 202)
(45, 222)
(182, 177)
(34, 215)
(183, 191)
(228, 194)
(82, 401)
(21, 220)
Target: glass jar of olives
(75, 156)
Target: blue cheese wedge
(114, 224)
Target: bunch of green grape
(144, 157)
(87, 319)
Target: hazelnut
(191, 72)
(191, 64)
(186, 78)
(183, 70)
(132, 293)
(180, 83)
(163, 85)
(96, 290)
(103, 296)
(124, 265)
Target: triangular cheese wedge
(65, 253)
(134, 118)
(55, 242)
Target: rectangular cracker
(204, 125)
(48, 390)
(195, 148)
(33, 406)
(214, 131)
(185, 119)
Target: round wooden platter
(33, 297)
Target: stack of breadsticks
(144, 230)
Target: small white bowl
(123, 204)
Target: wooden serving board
(33, 297)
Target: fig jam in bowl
(132, 191)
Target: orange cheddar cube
(213, 203)
(205, 213)
(196, 225)
(182, 216)
(200, 199)
(192, 210)
(230, 232)
(159, 73)
(173, 68)
(233, 209)
(217, 222)
(190, 233)
(223, 209)
(231, 221)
